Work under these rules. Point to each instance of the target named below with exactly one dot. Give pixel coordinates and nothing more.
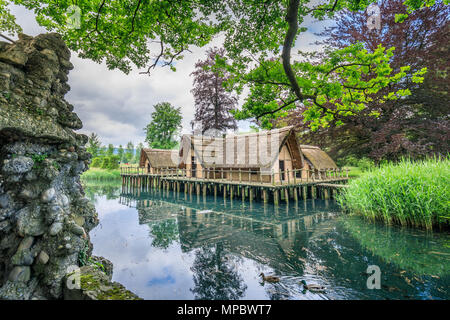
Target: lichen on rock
(93, 284)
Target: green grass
(354, 172)
(97, 174)
(407, 193)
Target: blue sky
(117, 106)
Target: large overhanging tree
(259, 37)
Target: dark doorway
(194, 167)
(282, 176)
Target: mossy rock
(94, 285)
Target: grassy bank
(97, 174)
(406, 193)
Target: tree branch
(276, 110)
(292, 20)
(134, 17)
(7, 38)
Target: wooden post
(275, 197)
(295, 194)
(215, 191)
(286, 195)
(265, 196)
(326, 193)
(251, 195)
(305, 192)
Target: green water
(166, 246)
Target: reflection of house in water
(265, 234)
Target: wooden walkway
(290, 190)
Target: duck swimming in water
(313, 287)
(271, 279)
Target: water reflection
(181, 247)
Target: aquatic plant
(414, 193)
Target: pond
(166, 246)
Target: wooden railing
(240, 175)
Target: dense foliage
(162, 131)
(418, 125)
(407, 193)
(212, 102)
(125, 33)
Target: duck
(313, 287)
(271, 279)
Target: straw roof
(317, 157)
(159, 158)
(252, 150)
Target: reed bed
(414, 193)
(97, 174)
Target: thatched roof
(159, 158)
(252, 150)
(317, 157)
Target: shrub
(113, 163)
(406, 193)
(96, 162)
(105, 163)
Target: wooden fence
(239, 175)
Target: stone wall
(44, 216)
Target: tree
(121, 32)
(110, 150)
(137, 156)
(212, 102)
(162, 130)
(120, 153)
(129, 152)
(94, 145)
(415, 126)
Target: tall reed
(415, 193)
(96, 174)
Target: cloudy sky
(117, 106)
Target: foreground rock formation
(44, 216)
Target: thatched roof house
(260, 152)
(260, 156)
(317, 158)
(155, 159)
